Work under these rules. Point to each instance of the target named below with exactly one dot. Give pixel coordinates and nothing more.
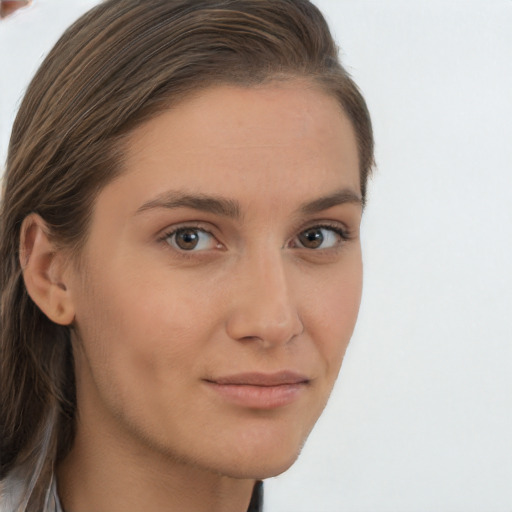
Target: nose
(264, 308)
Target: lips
(260, 390)
(262, 379)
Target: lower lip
(259, 397)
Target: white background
(421, 419)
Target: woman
(181, 260)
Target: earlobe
(43, 266)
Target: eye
(191, 239)
(321, 237)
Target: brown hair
(118, 66)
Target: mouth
(260, 390)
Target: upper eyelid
(334, 225)
(326, 224)
(199, 225)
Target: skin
(7, 7)
(155, 324)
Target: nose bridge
(264, 306)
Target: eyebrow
(203, 202)
(231, 208)
(339, 197)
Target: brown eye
(191, 239)
(321, 237)
(311, 238)
(187, 239)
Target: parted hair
(118, 66)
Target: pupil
(187, 239)
(312, 238)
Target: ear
(44, 266)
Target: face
(222, 279)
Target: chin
(258, 448)
(259, 469)
(261, 460)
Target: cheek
(141, 341)
(333, 313)
(145, 325)
(149, 321)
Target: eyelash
(343, 234)
(187, 227)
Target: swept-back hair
(118, 66)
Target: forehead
(239, 141)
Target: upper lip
(261, 379)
